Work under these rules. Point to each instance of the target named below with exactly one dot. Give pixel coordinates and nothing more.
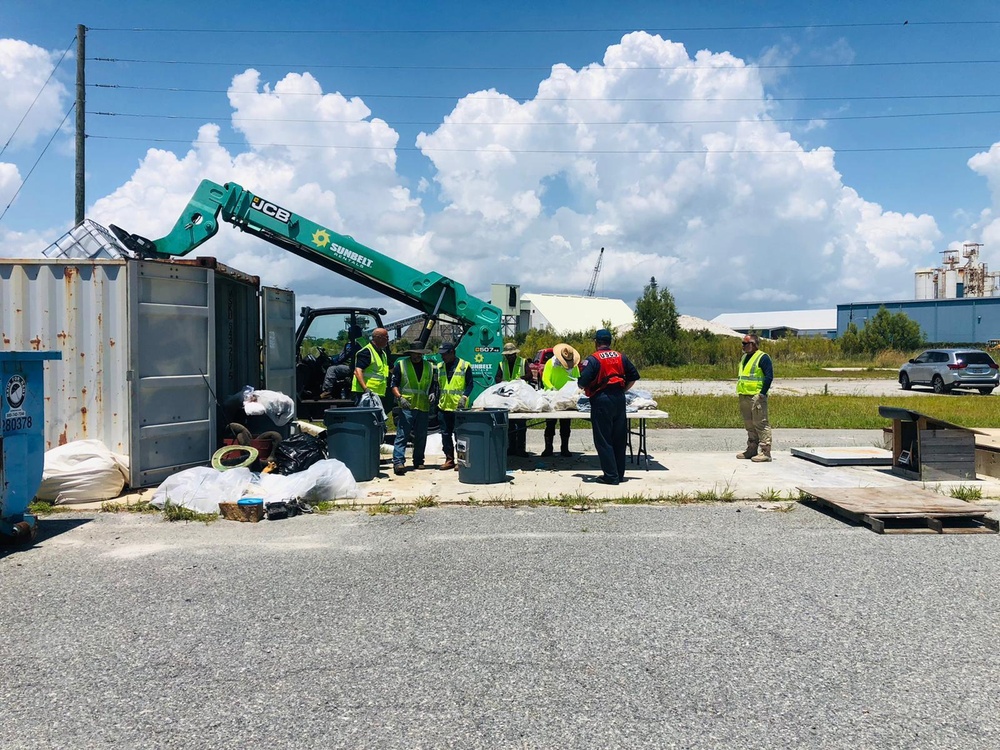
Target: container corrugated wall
(78, 308)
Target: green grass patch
(966, 493)
(45, 508)
(827, 412)
(117, 506)
(727, 371)
(173, 512)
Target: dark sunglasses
(747, 343)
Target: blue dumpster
(22, 438)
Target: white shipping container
(140, 366)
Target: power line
(27, 176)
(574, 123)
(33, 101)
(341, 66)
(180, 90)
(658, 29)
(555, 152)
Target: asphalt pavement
(722, 626)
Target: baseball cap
(446, 347)
(603, 334)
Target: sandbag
(82, 471)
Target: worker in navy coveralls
(605, 376)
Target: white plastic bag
(83, 471)
(513, 396)
(279, 407)
(565, 399)
(202, 488)
(325, 480)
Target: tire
(986, 391)
(938, 385)
(904, 381)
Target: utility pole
(81, 111)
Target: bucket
(481, 446)
(353, 435)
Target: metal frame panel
(278, 307)
(171, 369)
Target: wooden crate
(930, 449)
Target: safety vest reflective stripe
(751, 377)
(376, 374)
(452, 390)
(413, 389)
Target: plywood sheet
(846, 456)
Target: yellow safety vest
(556, 376)
(751, 377)
(512, 373)
(415, 390)
(451, 390)
(376, 374)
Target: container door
(171, 369)
(279, 340)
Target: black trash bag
(298, 452)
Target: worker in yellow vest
(514, 367)
(371, 366)
(755, 376)
(454, 386)
(411, 383)
(562, 368)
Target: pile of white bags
(83, 471)
(202, 488)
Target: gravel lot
(695, 627)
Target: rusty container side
(78, 308)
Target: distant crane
(597, 272)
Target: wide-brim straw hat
(510, 348)
(416, 350)
(558, 354)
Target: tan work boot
(449, 463)
(763, 457)
(747, 454)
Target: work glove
(462, 402)
(404, 403)
(757, 398)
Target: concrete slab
(686, 464)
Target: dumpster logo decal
(15, 392)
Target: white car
(946, 369)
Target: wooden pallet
(888, 510)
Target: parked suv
(945, 369)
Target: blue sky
(878, 183)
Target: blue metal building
(964, 320)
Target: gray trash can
(481, 446)
(353, 435)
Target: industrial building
(955, 303)
(561, 313)
(778, 324)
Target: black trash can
(481, 446)
(354, 435)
